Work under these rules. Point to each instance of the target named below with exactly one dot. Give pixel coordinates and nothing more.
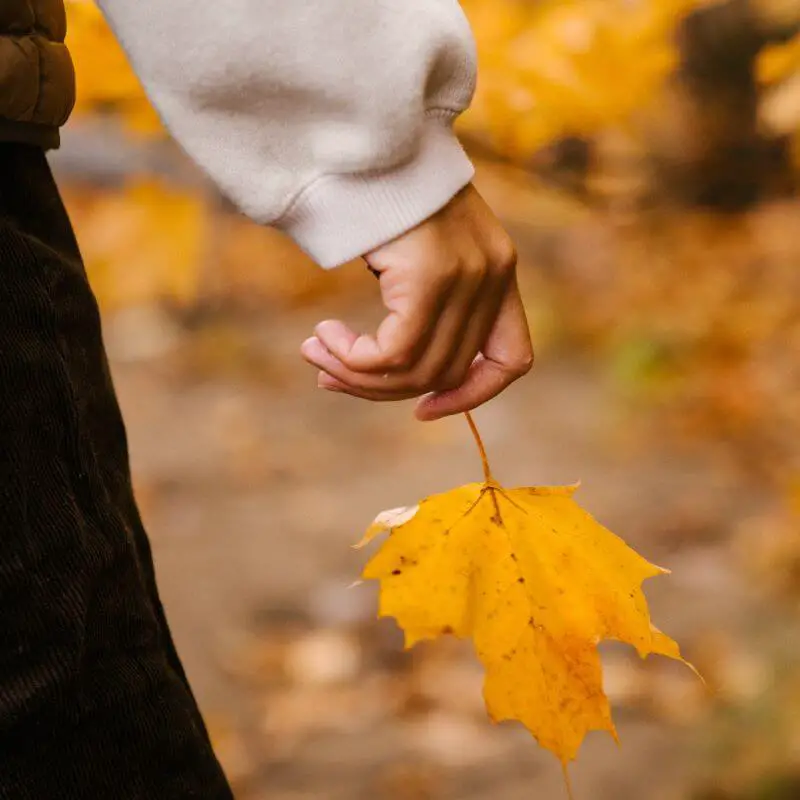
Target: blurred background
(645, 156)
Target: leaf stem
(487, 473)
(567, 781)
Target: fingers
(420, 377)
(334, 376)
(507, 356)
(331, 348)
(455, 329)
(476, 332)
(414, 307)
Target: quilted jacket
(37, 80)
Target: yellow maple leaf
(535, 582)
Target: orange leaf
(536, 583)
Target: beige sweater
(329, 119)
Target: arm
(332, 120)
(329, 119)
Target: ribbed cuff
(44, 136)
(340, 217)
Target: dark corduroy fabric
(94, 703)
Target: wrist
(340, 217)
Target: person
(328, 119)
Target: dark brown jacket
(37, 81)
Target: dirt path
(254, 484)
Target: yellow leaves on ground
(779, 62)
(778, 70)
(143, 242)
(148, 241)
(536, 583)
(105, 80)
(568, 68)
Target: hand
(456, 330)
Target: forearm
(330, 119)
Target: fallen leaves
(555, 69)
(147, 241)
(778, 72)
(105, 80)
(535, 582)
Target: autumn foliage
(586, 111)
(106, 82)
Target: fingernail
(327, 325)
(315, 351)
(326, 382)
(308, 345)
(332, 333)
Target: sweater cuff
(340, 217)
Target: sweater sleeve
(328, 119)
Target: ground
(254, 484)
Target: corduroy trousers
(94, 702)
